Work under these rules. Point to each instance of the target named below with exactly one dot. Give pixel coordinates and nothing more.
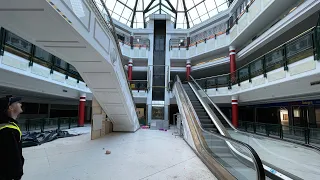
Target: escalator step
(213, 141)
(200, 109)
(223, 155)
(202, 113)
(219, 149)
(208, 126)
(196, 102)
(203, 117)
(215, 130)
(206, 121)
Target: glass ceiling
(184, 13)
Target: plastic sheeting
(37, 138)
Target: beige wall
(99, 129)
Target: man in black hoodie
(11, 159)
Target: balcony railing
(139, 85)
(294, 50)
(177, 43)
(304, 135)
(20, 47)
(43, 124)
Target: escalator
(225, 157)
(281, 160)
(218, 146)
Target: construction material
(37, 138)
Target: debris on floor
(145, 127)
(162, 129)
(108, 152)
(37, 138)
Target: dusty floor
(146, 154)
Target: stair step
(223, 155)
(206, 121)
(219, 149)
(196, 103)
(201, 113)
(215, 130)
(203, 117)
(208, 125)
(215, 142)
(199, 110)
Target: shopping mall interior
(175, 89)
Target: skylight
(184, 13)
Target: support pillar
(130, 69)
(131, 42)
(234, 102)
(81, 111)
(233, 67)
(188, 66)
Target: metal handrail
(266, 165)
(245, 132)
(280, 46)
(257, 161)
(218, 109)
(313, 147)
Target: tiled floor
(146, 154)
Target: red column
(82, 105)
(233, 67)
(130, 70)
(188, 66)
(234, 102)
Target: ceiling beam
(173, 9)
(198, 4)
(168, 8)
(185, 13)
(125, 5)
(147, 8)
(153, 7)
(134, 13)
(144, 17)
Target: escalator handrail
(254, 154)
(315, 148)
(217, 108)
(185, 108)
